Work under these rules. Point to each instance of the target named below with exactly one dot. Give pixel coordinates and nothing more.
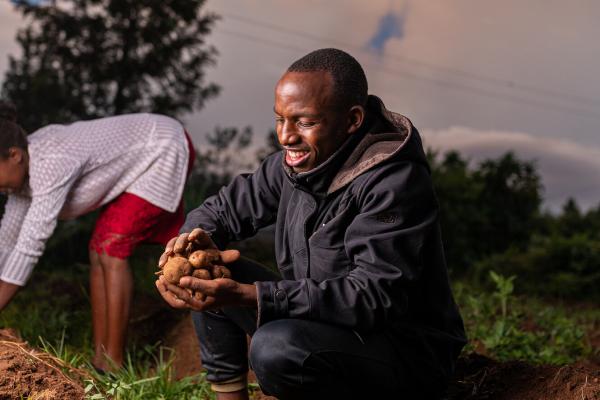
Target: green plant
(508, 327)
(62, 351)
(149, 379)
(504, 288)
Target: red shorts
(130, 220)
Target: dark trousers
(298, 359)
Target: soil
(182, 340)
(29, 373)
(477, 377)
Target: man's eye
(278, 120)
(305, 124)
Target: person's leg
(118, 281)
(98, 302)
(222, 336)
(300, 359)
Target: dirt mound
(31, 374)
(480, 378)
(186, 351)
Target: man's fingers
(168, 252)
(171, 299)
(182, 298)
(195, 233)
(163, 259)
(201, 239)
(170, 244)
(178, 291)
(181, 243)
(207, 287)
(229, 256)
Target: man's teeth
(296, 154)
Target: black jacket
(357, 239)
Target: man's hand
(214, 293)
(217, 293)
(186, 243)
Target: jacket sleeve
(50, 181)
(397, 211)
(240, 209)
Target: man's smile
(294, 158)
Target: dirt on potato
(26, 373)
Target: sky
(481, 77)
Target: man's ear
(356, 117)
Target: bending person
(135, 165)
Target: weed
(511, 328)
(152, 379)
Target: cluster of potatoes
(201, 264)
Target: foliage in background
(491, 221)
(556, 266)
(82, 59)
(507, 327)
(485, 209)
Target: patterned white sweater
(74, 169)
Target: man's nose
(288, 134)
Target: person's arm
(7, 292)
(386, 253)
(50, 182)
(240, 209)
(397, 215)
(15, 210)
(250, 202)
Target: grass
(509, 327)
(53, 313)
(150, 379)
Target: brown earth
(32, 374)
(29, 373)
(186, 362)
(477, 377)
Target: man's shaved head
(349, 81)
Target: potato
(220, 271)
(204, 258)
(202, 274)
(175, 268)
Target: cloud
(390, 26)
(568, 169)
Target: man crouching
(363, 306)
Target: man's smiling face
(310, 126)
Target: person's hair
(349, 80)
(11, 133)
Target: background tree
(486, 209)
(84, 59)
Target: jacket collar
(317, 180)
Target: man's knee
(276, 359)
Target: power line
(404, 74)
(465, 74)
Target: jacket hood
(391, 135)
(387, 135)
